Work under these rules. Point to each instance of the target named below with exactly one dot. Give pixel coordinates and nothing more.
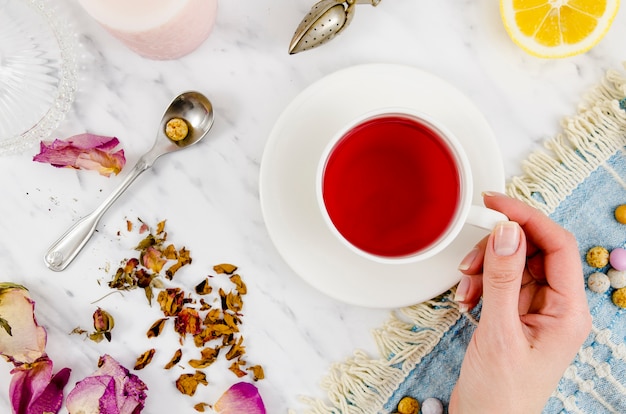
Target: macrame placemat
(578, 180)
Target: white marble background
(210, 195)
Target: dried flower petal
(156, 328)
(184, 258)
(188, 322)
(153, 259)
(171, 301)
(235, 368)
(188, 383)
(144, 359)
(34, 390)
(175, 359)
(227, 268)
(26, 341)
(209, 356)
(204, 288)
(200, 407)
(112, 389)
(84, 151)
(241, 287)
(242, 397)
(257, 372)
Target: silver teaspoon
(197, 112)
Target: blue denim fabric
(596, 380)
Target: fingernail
(463, 307)
(462, 289)
(489, 194)
(506, 238)
(469, 259)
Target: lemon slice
(557, 28)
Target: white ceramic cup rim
(465, 184)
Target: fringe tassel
(362, 385)
(587, 141)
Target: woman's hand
(534, 314)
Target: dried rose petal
(84, 151)
(112, 389)
(27, 341)
(153, 259)
(242, 397)
(34, 390)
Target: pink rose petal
(241, 398)
(34, 390)
(27, 341)
(112, 389)
(84, 151)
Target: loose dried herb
(208, 356)
(187, 322)
(200, 407)
(172, 301)
(227, 268)
(178, 355)
(144, 359)
(235, 368)
(204, 288)
(153, 260)
(156, 328)
(188, 383)
(257, 372)
(184, 258)
(212, 321)
(240, 286)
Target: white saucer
(287, 182)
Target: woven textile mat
(578, 180)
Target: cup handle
(484, 217)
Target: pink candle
(156, 29)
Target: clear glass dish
(38, 71)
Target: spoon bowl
(197, 112)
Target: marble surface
(209, 194)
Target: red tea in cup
(391, 185)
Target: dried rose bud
(103, 321)
(176, 129)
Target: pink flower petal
(27, 341)
(112, 389)
(241, 398)
(34, 390)
(84, 151)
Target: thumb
(505, 259)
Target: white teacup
(395, 186)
